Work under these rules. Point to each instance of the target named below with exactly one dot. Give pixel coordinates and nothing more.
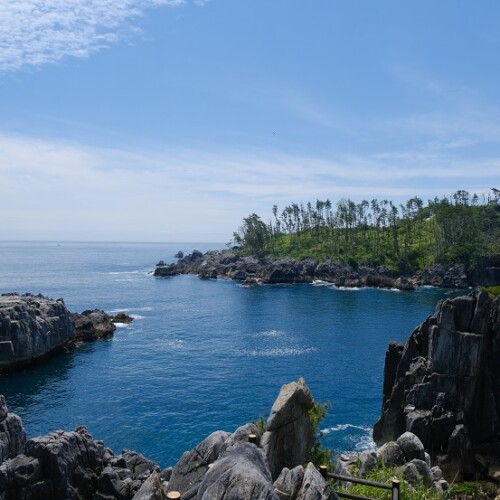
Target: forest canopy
(408, 237)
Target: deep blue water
(202, 355)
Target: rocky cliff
(33, 327)
(444, 386)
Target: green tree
(253, 234)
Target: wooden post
(395, 489)
(323, 469)
(252, 438)
(173, 495)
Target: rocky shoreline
(242, 465)
(34, 327)
(254, 270)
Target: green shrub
(318, 455)
(493, 291)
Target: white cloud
(37, 32)
(61, 190)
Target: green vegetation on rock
(318, 455)
(453, 230)
(493, 291)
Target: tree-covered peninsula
(457, 229)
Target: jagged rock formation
(444, 386)
(69, 465)
(12, 435)
(193, 465)
(72, 465)
(241, 472)
(33, 327)
(251, 269)
(92, 325)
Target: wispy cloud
(186, 194)
(37, 32)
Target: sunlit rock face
(444, 384)
(31, 327)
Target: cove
(202, 355)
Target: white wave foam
(343, 427)
(122, 325)
(360, 442)
(270, 334)
(365, 443)
(279, 352)
(127, 309)
(123, 272)
(321, 283)
(349, 288)
(168, 344)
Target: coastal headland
(252, 269)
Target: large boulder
(443, 385)
(411, 446)
(241, 473)
(314, 486)
(31, 327)
(192, 466)
(151, 489)
(290, 435)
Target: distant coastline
(252, 269)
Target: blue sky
(171, 120)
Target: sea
(201, 355)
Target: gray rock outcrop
(240, 473)
(289, 482)
(92, 325)
(70, 465)
(252, 269)
(12, 435)
(151, 489)
(444, 384)
(314, 486)
(31, 327)
(192, 466)
(290, 435)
